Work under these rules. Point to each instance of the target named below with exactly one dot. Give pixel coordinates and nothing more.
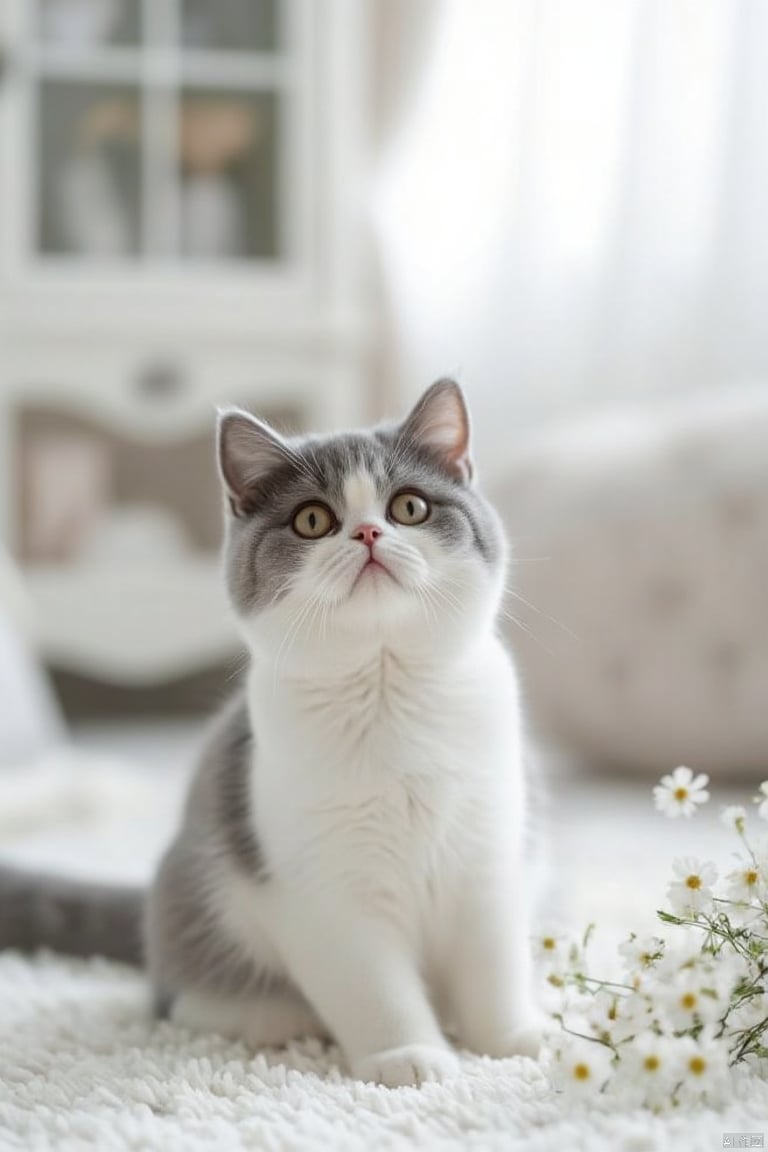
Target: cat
(350, 863)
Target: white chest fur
(380, 780)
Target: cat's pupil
(411, 508)
(312, 520)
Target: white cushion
(642, 541)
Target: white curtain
(574, 208)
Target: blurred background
(314, 210)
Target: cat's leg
(271, 1020)
(488, 970)
(360, 976)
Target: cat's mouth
(373, 571)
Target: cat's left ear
(439, 424)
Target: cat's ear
(247, 450)
(439, 424)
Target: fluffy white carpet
(82, 1065)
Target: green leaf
(668, 918)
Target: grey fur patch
(188, 943)
(162, 1003)
(230, 755)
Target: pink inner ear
(440, 424)
(248, 450)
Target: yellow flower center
(549, 943)
(681, 794)
(750, 878)
(651, 1063)
(581, 1072)
(688, 1001)
(693, 881)
(697, 1065)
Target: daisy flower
(693, 997)
(648, 1070)
(679, 793)
(684, 953)
(734, 817)
(580, 1068)
(746, 884)
(762, 800)
(603, 1013)
(691, 894)
(636, 1013)
(551, 949)
(639, 952)
(702, 1069)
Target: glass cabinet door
(230, 25)
(158, 129)
(89, 161)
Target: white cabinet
(181, 226)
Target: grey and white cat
(350, 862)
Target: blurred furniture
(643, 547)
(30, 723)
(181, 227)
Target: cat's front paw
(411, 1065)
(523, 1040)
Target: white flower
(694, 996)
(746, 884)
(678, 794)
(648, 1070)
(636, 1014)
(691, 894)
(684, 953)
(702, 1070)
(762, 800)
(580, 1068)
(734, 817)
(603, 1013)
(551, 950)
(640, 952)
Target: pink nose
(367, 533)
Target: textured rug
(83, 1066)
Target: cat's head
(372, 537)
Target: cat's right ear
(247, 450)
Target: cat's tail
(39, 910)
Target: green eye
(313, 521)
(409, 508)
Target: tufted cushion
(640, 543)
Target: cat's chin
(373, 575)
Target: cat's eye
(313, 521)
(409, 508)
